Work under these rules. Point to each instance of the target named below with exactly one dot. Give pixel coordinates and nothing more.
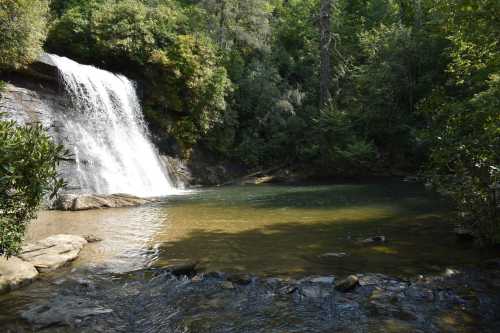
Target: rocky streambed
(159, 300)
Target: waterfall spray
(112, 148)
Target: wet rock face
(74, 202)
(178, 171)
(27, 102)
(158, 301)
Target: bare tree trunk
(325, 53)
(222, 22)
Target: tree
(325, 53)
(464, 122)
(238, 24)
(22, 31)
(28, 171)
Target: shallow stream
(274, 230)
(278, 231)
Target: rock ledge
(74, 202)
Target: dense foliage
(345, 87)
(28, 171)
(465, 116)
(23, 29)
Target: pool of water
(274, 230)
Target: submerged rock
(347, 284)
(91, 238)
(241, 279)
(323, 279)
(374, 240)
(63, 310)
(314, 291)
(333, 255)
(53, 252)
(227, 285)
(15, 273)
(464, 234)
(75, 202)
(187, 268)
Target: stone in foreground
(53, 252)
(348, 284)
(15, 273)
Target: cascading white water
(112, 149)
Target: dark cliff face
(35, 96)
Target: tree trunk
(325, 53)
(222, 22)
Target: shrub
(28, 171)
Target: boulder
(64, 201)
(91, 238)
(75, 202)
(15, 273)
(313, 291)
(63, 311)
(187, 268)
(347, 284)
(239, 278)
(53, 252)
(227, 285)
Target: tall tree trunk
(325, 52)
(222, 22)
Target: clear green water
(276, 230)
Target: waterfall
(109, 139)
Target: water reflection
(126, 234)
(273, 230)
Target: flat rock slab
(15, 273)
(75, 202)
(53, 252)
(63, 311)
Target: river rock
(15, 273)
(464, 234)
(323, 279)
(187, 268)
(241, 279)
(374, 240)
(227, 285)
(91, 238)
(347, 284)
(333, 255)
(93, 201)
(53, 252)
(63, 310)
(313, 291)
